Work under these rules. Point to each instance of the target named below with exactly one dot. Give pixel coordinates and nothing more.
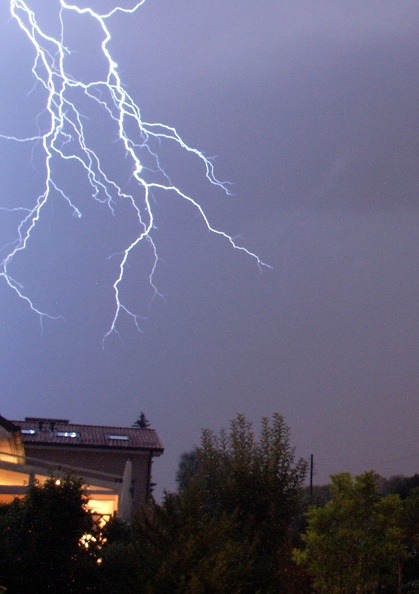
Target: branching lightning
(64, 137)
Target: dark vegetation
(40, 548)
(241, 522)
(142, 422)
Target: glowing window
(67, 434)
(28, 431)
(120, 437)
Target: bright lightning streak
(64, 137)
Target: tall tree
(355, 542)
(142, 422)
(410, 522)
(228, 529)
(188, 469)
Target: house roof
(7, 425)
(60, 432)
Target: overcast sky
(311, 109)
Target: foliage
(120, 569)
(174, 555)
(142, 422)
(321, 494)
(188, 469)
(410, 523)
(411, 587)
(400, 485)
(228, 529)
(40, 540)
(116, 530)
(355, 542)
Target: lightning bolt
(63, 136)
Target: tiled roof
(63, 433)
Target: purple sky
(312, 112)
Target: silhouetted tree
(410, 523)
(142, 422)
(188, 469)
(40, 540)
(400, 485)
(228, 529)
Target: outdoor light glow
(65, 139)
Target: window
(28, 431)
(120, 437)
(67, 434)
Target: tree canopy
(228, 529)
(41, 547)
(354, 543)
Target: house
(114, 462)
(11, 444)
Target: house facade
(114, 462)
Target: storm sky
(311, 110)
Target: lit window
(120, 437)
(28, 431)
(67, 434)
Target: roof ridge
(70, 423)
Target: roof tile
(59, 432)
